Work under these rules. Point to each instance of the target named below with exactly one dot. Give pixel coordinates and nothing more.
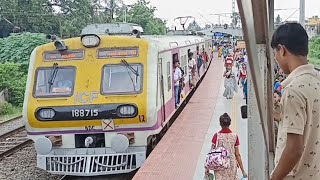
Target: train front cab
(83, 115)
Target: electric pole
(233, 13)
(302, 13)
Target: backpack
(182, 71)
(181, 81)
(218, 158)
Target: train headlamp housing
(127, 110)
(60, 46)
(90, 40)
(46, 114)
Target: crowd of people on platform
(236, 71)
(225, 141)
(296, 112)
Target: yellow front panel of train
(95, 82)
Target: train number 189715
(84, 112)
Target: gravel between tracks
(11, 125)
(22, 166)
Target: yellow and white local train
(94, 104)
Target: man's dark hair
(225, 120)
(293, 36)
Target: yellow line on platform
(234, 115)
(236, 107)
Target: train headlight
(127, 110)
(90, 40)
(46, 113)
(43, 146)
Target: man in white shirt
(177, 75)
(192, 70)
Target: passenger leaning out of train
(227, 139)
(199, 63)
(297, 155)
(177, 76)
(192, 70)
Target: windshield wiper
(133, 70)
(123, 61)
(53, 75)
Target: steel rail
(17, 146)
(7, 134)
(12, 119)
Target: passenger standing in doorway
(176, 78)
(298, 146)
(199, 63)
(192, 70)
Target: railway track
(13, 140)
(10, 120)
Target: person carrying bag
(224, 156)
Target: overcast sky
(169, 9)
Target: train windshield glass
(120, 79)
(54, 82)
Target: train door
(161, 88)
(175, 57)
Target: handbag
(218, 158)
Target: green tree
(278, 19)
(194, 26)
(208, 26)
(142, 13)
(17, 48)
(26, 15)
(12, 78)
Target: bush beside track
(314, 51)
(15, 51)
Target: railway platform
(181, 153)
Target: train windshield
(61, 85)
(119, 79)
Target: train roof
(111, 28)
(168, 42)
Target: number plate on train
(84, 113)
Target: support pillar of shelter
(257, 30)
(256, 151)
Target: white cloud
(169, 9)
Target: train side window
(169, 79)
(54, 83)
